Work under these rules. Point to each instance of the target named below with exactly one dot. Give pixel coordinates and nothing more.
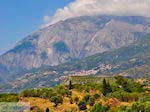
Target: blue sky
(18, 18)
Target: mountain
(72, 39)
(130, 61)
(112, 62)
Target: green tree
(99, 108)
(119, 79)
(123, 82)
(126, 87)
(56, 100)
(86, 98)
(68, 93)
(106, 87)
(70, 85)
(61, 90)
(47, 110)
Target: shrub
(9, 97)
(82, 105)
(86, 98)
(99, 108)
(68, 93)
(144, 99)
(96, 96)
(76, 100)
(123, 82)
(135, 87)
(62, 90)
(42, 93)
(123, 109)
(125, 96)
(71, 100)
(56, 99)
(91, 101)
(141, 107)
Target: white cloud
(95, 7)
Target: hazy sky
(18, 18)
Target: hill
(93, 94)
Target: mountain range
(87, 45)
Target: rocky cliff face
(71, 39)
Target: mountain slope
(138, 52)
(72, 39)
(132, 61)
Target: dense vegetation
(25, 46)
(116, 94)
(9, 97)
(61, 47)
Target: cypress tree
(47, 109)
(70, 85)
(106, 87)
